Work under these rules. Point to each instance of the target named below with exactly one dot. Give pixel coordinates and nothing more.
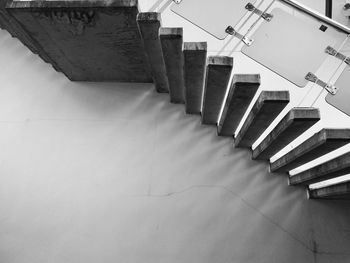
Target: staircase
(116, 43)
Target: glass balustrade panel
(212, 16)
(292, 44)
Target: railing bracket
(230, 30)
(177, 1)
(331, 51)
(250, 7)
(313, 78)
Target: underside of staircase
(112, 41)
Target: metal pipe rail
(317, 15)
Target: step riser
(334, 168)
(195, 55)
(296, 122)
(217, 78)
(334, 192)
(172, 41)
(318, 145)
(241, 93)
(149, 24)
(268, 106)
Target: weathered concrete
(6, 21)
(297, 121)
(242, 91)
(336, 167)
(172, 40)
(195, 54)
(149, 24)
(217, 77)
(321, 143)
(267, 107)
(88, 41)
(334, 192)
(15, 29)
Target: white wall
(111, 172)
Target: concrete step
(149, 24)
(267, 107)
(323, 142)
(218, 74)
(334, 192)
(195, 55)
(172, 40)
(331, 169)
(296, 122)
(87, 41)
(242, 91)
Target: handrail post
(329, 8)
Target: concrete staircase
(116, 43)
(201, 84)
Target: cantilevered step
(297, 121)
(321, 143)
(172, 40)
(334, 192)
(86, 40)
(149, 24)
(331, 169)
(216, 83)
(242, 91)
(195, 54)
(267, 107)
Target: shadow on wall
(115, 173)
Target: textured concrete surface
(107, 172)
(296, 122)
(334, 192)
(217, 77)
(87, 41)
(241, 93)
(333, 168)
(267, 107)
(149, 24)
(15, 29)
(195, 55)
(172, 40)
(323, 142)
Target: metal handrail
(317, 15)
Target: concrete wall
(110, 172)
(114, 173)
